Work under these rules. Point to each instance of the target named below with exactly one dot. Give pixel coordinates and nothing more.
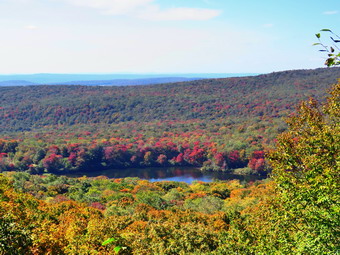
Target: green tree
(306, 167)
(299, 212)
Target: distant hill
(127, 82)
(105, 79)
(16, 83)
(272, 95)
(116, 82)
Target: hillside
(215, 124)
(272, 95)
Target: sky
(163, 36)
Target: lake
(180, 174)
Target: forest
(272, 95)
(217, 125)
(232, 124)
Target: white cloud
(330, 12)
(145, 9)
(31, 27)
(156, 14)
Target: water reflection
(180, 174)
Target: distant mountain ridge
(106, 79)
(116, 82)
(16, 83)
(127, 82)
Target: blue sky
(162, 36)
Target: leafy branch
(333, 51)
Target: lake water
(180, 174)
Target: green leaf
(326, 30)
(318, 35)
(108, 241)
(117, 249)
(316, 44)
(330, 62)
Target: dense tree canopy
(299, 213)
(272, 95)
(307, 174)
(221, 124)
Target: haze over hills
(107, 79)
